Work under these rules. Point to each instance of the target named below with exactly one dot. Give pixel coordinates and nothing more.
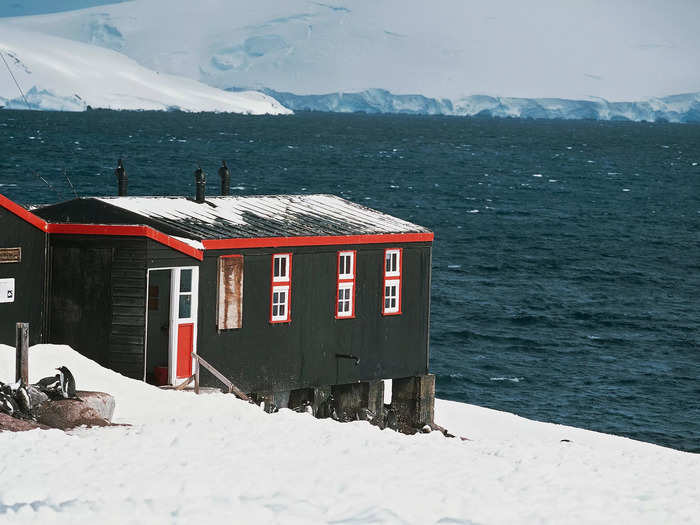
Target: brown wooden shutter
(230, 296)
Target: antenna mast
(13, 78)
(65, 172)
(47, 183)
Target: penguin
(48, 382)
(36, 396)
(50, 386)
(7, 403)
(21, 397)
(6, 390)
(67, 383)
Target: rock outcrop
(93, 410)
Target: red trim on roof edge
(134, 231)
(212, 244)
(325, 240)
(23, 213)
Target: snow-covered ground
(60, 74)
(211, 458)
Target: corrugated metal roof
(261, 216)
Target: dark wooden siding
(128, 323)
(29, 275)
(161, 256)
(99, 298)
(262, 356)
(259, 356)
(80, 297)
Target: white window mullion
(391, 296)
(393, 276)
(280, 303)
(345, 300)
(345, 288)
(281, 267)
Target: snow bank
(60, 74)
(207, 458)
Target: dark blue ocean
(566, 268)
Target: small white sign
(7, 290)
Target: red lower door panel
(185, 345)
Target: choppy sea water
(566, 267)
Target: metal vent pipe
(225, 178)
(200, 182)
(122, 179)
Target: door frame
(174, 320)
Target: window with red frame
(281, 288)
(391, 305)
(345, 289)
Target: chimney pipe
(225, 178)
(122, 179)
(200, 182)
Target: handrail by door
(232, 389)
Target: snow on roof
(262, 216)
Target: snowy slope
(675, 108)
(211, 458)
(624, 50)
(60, 74)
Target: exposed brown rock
(66, 414)
(13, 424)
(101, 402)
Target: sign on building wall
(10, 255)
(7, 290)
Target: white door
(184, 290)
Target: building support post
(271, 401)
(22, 353)
(360, 401)
(314, 400)
(413, 402)
(321, 404)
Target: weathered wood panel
(230, 292)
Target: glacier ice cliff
(674, 108)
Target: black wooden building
(279, 293)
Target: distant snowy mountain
(675, 108)
(60, 74)
(623, 50)
(445, 52)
